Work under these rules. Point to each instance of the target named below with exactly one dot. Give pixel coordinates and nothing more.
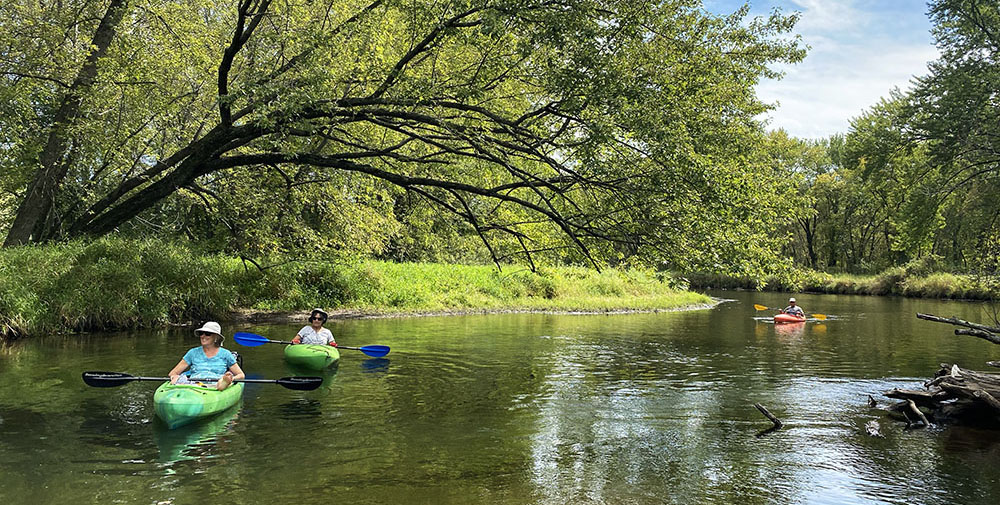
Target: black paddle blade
(106, 379)
(301, 383)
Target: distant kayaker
(793, 309)
(208, 362)
(315, 333)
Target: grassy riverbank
(116, 283)
(916, 280)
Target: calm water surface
(516, 409)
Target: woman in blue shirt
(210, 362)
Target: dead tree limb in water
(977, 330)
(955, 394)
(920, 415)
(769, 415)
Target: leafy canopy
(566, 129)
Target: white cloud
(859, 51)
(818, 97)
(825, 15)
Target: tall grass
(912, 280)
(122, 283)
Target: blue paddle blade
(375, 351)
(249, 339)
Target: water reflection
(790, 330)
(375, 365)
(518, 409)
(300, 409)
(196, 440)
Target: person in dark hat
(315, 333)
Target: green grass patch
(114, 283)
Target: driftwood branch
(925, 398)
(916, 410)
(985, 335)
(769, 415)
(953, 393)
(982, 331)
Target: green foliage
(913, 280)
(534, 132)
(124, 283)
(916, 177)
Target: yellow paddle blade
(821, 317)
(759, 307)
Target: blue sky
(860, 50)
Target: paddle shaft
(253, 340)
(257, 381)
(167, 379)
(113, 379)
(349, 347)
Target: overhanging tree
(619, 123)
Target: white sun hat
(211, 327)
(790, 300)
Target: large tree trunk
(807, 229)
(31, 222)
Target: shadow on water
(300, 409)
(327, 373)
(193, 441)
(114, 430)
(141, 434)
(375, 365)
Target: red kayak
(788, 318)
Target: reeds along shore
(893, 282)
(115, 283)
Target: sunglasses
(317, 318)
(204, 333)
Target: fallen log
(959, 322)
(989, 399)
(953, 395)
(925, 398)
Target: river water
(517, 409)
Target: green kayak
(180, 404)
(316, 357)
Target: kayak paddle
(253, 340)
(113, 379)
(821, 317)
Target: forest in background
(916, 176)
(520, 133)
